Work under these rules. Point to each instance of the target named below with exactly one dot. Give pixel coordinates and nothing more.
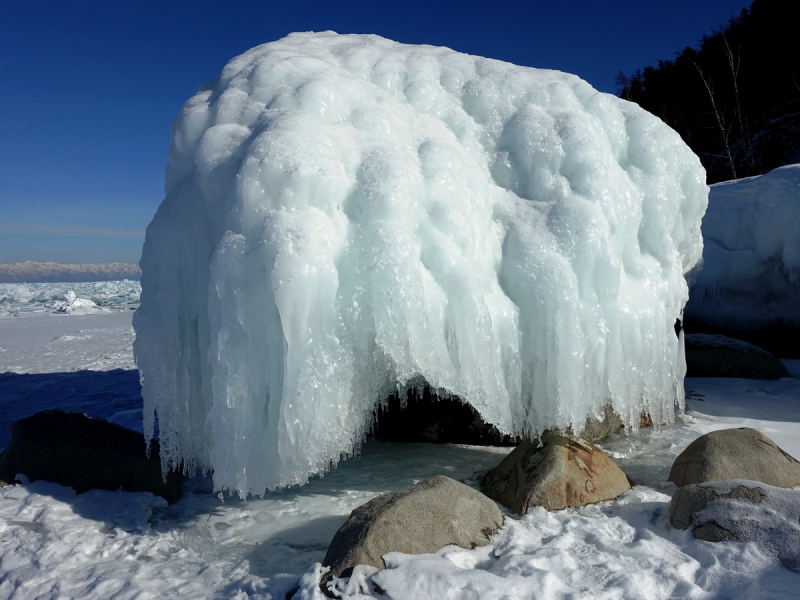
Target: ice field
(55, 544)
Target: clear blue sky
(90, 88)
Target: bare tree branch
(719, 116)
(735, 62)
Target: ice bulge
(346, 216)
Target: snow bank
(346, 215)
(751, 263)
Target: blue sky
(90, 88)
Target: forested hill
(735, 99)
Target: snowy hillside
(54, 544)
(346, 216)
(38, 272)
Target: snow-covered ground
(54, 544)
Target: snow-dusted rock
(346, 217)
(84, 453)
(563, 472)
(419, 519)
(742, 511)
(742, 453)
(721, 356)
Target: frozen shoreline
(56, 544)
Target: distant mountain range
(46, 272)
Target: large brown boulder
(419, 519)
(742, 511)
(742, 453)
(719, 356)
(84, 453)
(564, 471)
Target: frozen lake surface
(54, 544)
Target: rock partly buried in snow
(346, 216)
(419, 519)
(563, 472)
(742, 453)
(720, 356)
(743, 511)
(84, 453)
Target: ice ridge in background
(751, 262)
(346, 216)
(69, 298)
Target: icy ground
(54, 544)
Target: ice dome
(346, 216)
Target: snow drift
(346, 216)
(751, 263)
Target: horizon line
(55, 230)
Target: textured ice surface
(70, 298)
(751, 263)
(346, 215)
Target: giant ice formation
(751, 262)
(346, 216)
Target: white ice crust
(346, 216)
(751, 263)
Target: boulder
(597, 429)
(743, 453)
(719, 356)
(742, 511)
(84, 453)
(419, 519)
(564, 471)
